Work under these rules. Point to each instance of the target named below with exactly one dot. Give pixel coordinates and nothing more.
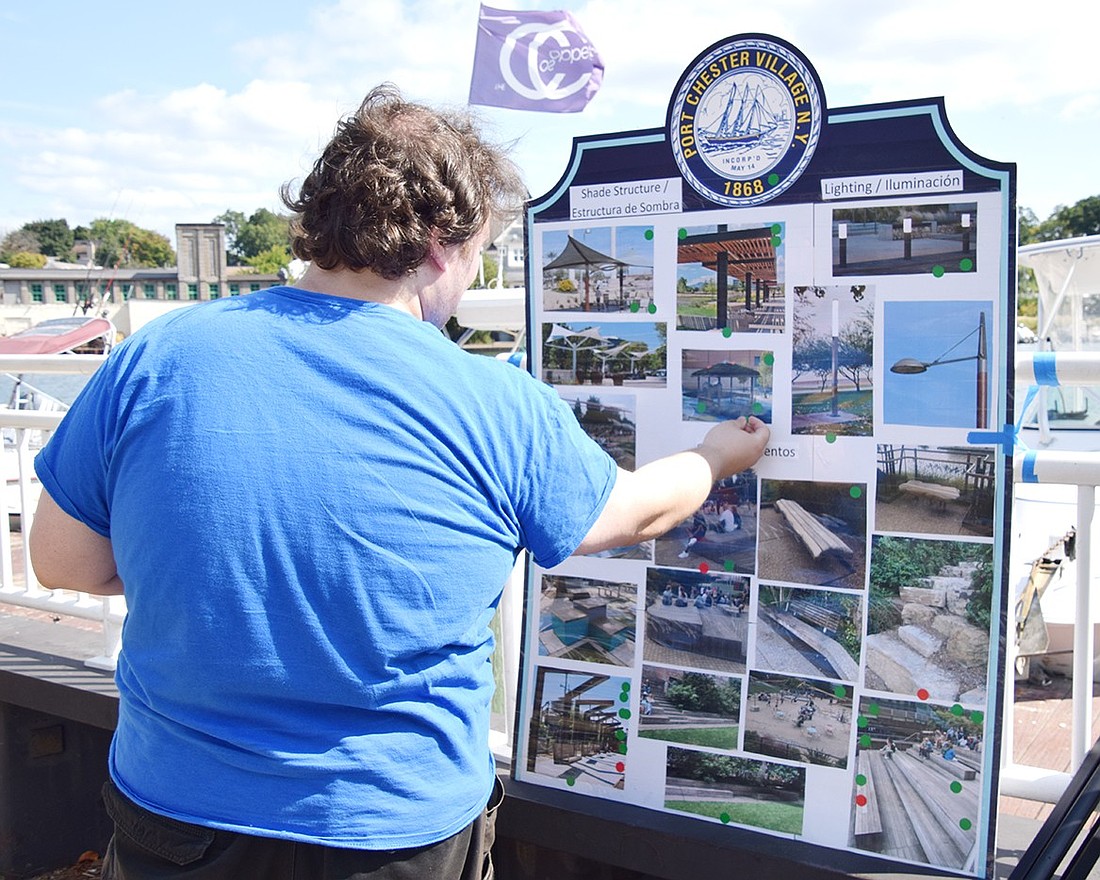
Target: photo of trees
(832, 360)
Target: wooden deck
(1041, 733)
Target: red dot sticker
(861, 800)
(703, 567)
(923, 694)
(620, 766)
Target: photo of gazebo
(720, 385)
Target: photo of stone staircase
(929, 641)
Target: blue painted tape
(1043, 365)
(1028, 468)
(1005, 438)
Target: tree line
(261, 240)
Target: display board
(816, 653)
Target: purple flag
(533, 61)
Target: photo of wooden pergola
(742, 262)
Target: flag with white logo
(530, 60)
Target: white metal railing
(1043, 466)
(19, 427)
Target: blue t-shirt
(314, 503)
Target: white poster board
(817, 653)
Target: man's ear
(437, 255)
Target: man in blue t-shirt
(313, 499)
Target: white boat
(53, 338)
(1057, 418)
(499, 311)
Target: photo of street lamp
(922, 336)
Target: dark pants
(148, 846)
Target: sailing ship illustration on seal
(751, 119)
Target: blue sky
(161, 113)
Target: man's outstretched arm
(648, 502)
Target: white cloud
(214, 142)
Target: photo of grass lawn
(691, 708)
(741, 791)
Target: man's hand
(732, 446)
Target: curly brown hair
(393, 172)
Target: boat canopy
(60, 335)
(1068, 274)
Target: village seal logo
(745, 120)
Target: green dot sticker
(768, 358)
(937, 272)
(649, 235)
(861, 721)
(700, 407)
(757, 408)
(682, 234)
(652, 309)
(620, 735)
(977, 717)
(776, 241)
(965, 824)
(957, 710)
(622, 748)
(777, 228)
(624, 713)
(624, 696)
(634, 306)
(571, 781)
(830, 437)
(724, 818)
(861, 779)
(773, 179)
(626, 687)
(727, 332)
(872, 709)
(966, 264)
(840, 692)
(856, 491)
(956, 786)
(729, 565)
(865, 741)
